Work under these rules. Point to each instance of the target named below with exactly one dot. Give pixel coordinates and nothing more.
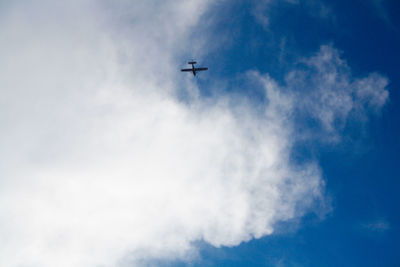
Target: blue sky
(284, 153)
(361, 172)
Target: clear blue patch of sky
(362, 176)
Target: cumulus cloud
(102, 165)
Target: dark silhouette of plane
(193, 69)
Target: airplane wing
(186, 69)
(199, 69)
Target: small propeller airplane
(193, 69)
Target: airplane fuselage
(193, 69)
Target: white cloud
(327, 92)
(101, 164)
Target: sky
(283, 153)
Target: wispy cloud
(380, 10)
(327, 92)
(261, 9)
(380, 225)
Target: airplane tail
(192, 62)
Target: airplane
(193, 69)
